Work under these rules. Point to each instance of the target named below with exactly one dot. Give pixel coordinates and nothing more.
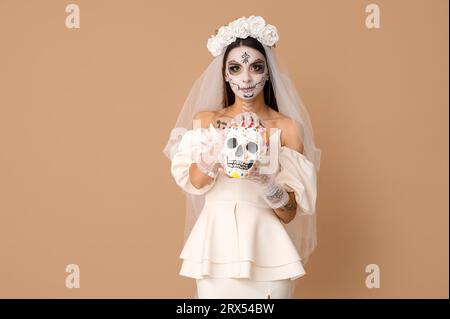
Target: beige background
(85, 114)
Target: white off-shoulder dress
(237, 235)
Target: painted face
(246, 71)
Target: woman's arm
(196, 176)
(287, 212)
(289, 138)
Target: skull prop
(243, 146)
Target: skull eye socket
(252, 147)
(232, 142)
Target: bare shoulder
(289, 134)
(205, 118)
(218, 118)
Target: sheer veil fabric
(207, 95)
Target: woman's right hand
(211, 143)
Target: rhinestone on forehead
(245, 57)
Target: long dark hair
(269, 94)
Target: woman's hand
(273, 193)
(248, 119)
(211, 143)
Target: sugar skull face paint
(246, 71)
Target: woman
(245, 237)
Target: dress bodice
(243, 190)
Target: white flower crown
(253, 26)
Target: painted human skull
(243, 146)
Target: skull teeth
(239, 164)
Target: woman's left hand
(273, 193)
(257, 177)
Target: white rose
(214, 46)
(226, 35)
(255, 25)
(240, 28)
(269, 35)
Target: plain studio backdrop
(85, 114)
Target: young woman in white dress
(241, 241)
